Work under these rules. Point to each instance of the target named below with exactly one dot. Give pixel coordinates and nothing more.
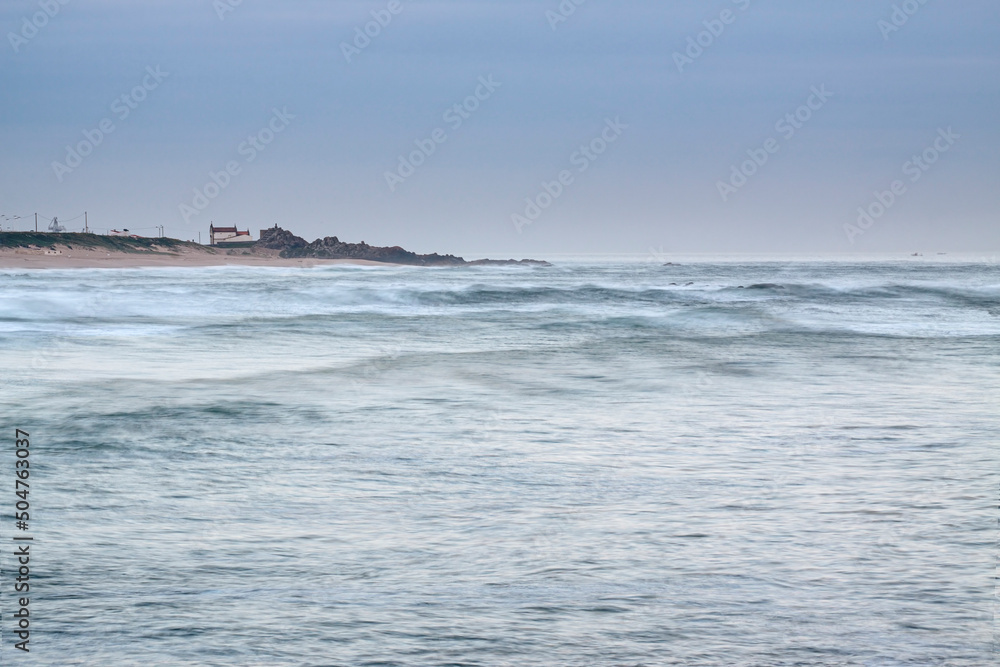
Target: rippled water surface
(589, 464)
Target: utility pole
(36, 223)
(86, 225)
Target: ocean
(598, 463)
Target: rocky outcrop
(277, 238)
(333, 248)
(291, 246)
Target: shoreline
(276, 248)
(63, 257)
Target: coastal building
(224, 235)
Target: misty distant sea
(597, 463)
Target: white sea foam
(577, 465)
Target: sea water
(594, 463)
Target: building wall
(232, 238)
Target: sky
(582, 126)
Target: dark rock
(331, 247)
(277, 238)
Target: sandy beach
(63, 257)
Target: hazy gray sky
(666, 98)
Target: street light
(10, 218)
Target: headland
(276, 247)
